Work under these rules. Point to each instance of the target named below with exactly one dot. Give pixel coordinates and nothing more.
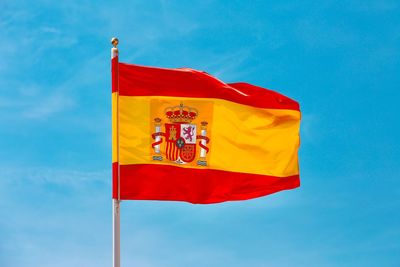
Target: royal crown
(181, 114)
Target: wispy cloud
(40, 212)
(35, 102)
(50, 106)
(42, 175)
(228, 66)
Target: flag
(183, 135)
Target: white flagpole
(116, 202)
(116, 234)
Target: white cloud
(49, 106)
(43, 175)
(227, 66)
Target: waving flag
(183, 135)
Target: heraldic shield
(180, 137)
(181, 142)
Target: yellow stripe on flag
(243, 138)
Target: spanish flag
(183, 135)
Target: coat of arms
(180, 137)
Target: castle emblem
(180, 137)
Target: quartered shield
(181, 142)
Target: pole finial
(114, 41)
(114, 50)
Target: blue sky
(339, 59)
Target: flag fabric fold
(183, 135)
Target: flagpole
(116, 201)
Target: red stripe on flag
(137, 80)
(114, 74)
(176, 152)
(167, 150)
(164, 182)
